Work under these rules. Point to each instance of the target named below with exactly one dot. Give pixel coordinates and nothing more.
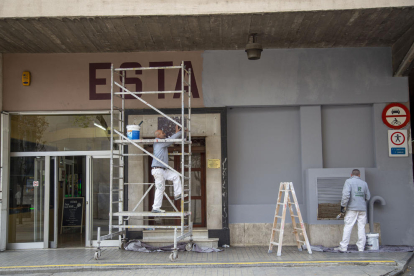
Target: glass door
(98, 200)
(28, 221)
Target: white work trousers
(350, 218)
(160, 175)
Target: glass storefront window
(34, 133)
(27, 195)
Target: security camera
(253, 49)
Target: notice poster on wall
(72, 212)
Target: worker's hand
(177, 129)
(343, 209)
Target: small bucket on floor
(372, 241)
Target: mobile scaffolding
(118, 143)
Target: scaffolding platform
(150, 214)
(116, 186)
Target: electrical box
(26, 78)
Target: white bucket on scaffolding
(372, 241)
(133, 132)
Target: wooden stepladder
(286, 188)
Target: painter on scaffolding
(161, 172)
(355, 195)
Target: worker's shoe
(339, 249)
(158, 211)
(179, 197)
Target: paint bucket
(133, 132)
(372, 241)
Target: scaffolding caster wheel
(173, 256)
(123, 243)
(189, 247)
(97, 255)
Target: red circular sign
(396, 116)
(398, 141)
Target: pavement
(246, 260)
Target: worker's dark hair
(356, 172)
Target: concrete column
(311, 146)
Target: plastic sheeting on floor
(354, 249)
(135, 245)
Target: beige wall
(253, 234)
(40, 8)
(61, 81)
(204, 125)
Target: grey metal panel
(313, 176)
(330, 189)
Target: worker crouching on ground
(355, 195)
(162, 173)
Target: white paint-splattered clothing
(350, 218)
(160, 175)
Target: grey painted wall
(301, 77)
(347, 135)
(263, 150)
(329, 128)
(392, 179)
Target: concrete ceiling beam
(403, 54)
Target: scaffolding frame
(117, 184)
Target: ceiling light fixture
(253, 49)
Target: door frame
(89, 241)
(45, 242)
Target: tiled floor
(230, 258)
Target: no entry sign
(396, 116)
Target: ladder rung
(278, 216)
(275, 229)
(301, 241)
(298, 228)
(274, 243)
(280, 203)
(118, 166)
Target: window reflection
(60, 133)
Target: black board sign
(72, 213)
